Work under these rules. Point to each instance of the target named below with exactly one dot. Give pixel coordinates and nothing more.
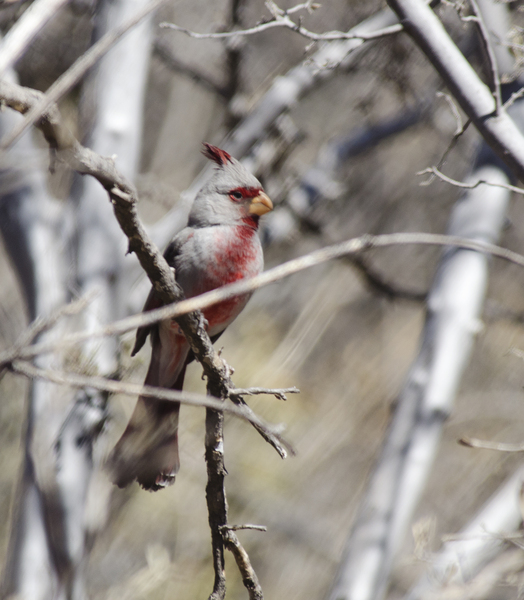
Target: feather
(220, 157)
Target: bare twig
(309, 6)
(132, 389)
(487, 445)
(241, 527)
(469, 186)
(280, 394)
(459, 132)
(352, 247)
(249, 577)
(513, 98)
(455, 111)
(484, 34)
(282, 20)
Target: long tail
(148, 449)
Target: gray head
(232, 196)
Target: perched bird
(220, 245)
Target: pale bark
(454, 309)
(30, 226)
(483, 538)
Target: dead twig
(486, 41)
(487, 445)
(246, 526)
(469, 186)
(354, 247)
(280, 18)
(133, 389)
(280, 394)
(249, 577)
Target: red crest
(220, 157)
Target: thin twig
(284, 21)
(352, 247)
(487, 445)
(459, 132)
(133, 389)
(249, 577)
(280, 394)
(309, 6)
(484, 34)
(241, 527)
(455, 111)
(513, 98)
(469, 186)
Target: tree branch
(353, 247)
(74, 74)
(16, 41)
(474, 97)
(282, 20)
(469, 186)
(454, 308)
(132, 389)
(486, 41)
(249, 577)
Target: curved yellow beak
(260, 205)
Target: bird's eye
(235, 195)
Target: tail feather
(148, 449)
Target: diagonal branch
(354, 247)
(133, 389)
(24, 30)
(474, 97)
(249, 577)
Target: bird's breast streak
(236, 255)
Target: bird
(219, 245)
